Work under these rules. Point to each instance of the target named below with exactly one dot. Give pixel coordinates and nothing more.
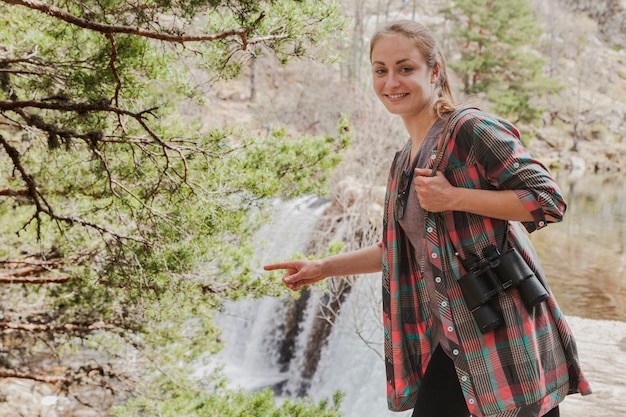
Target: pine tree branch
(49, 328)
(34, 269)
(12, 279)
(50, 379)
(80, 374)
(109, 29)
(10, 192)
(42, 205)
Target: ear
(434, 76)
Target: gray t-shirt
(412, 223)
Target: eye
(406, 70)
(380, 71)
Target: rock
(601, 348)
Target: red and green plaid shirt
(526, 366)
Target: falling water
(252, 328)
(262, 352)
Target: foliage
(131, 225)
(496, 39)
(200, 404)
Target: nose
(392, 80)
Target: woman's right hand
(299, 272)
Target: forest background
(145, 142)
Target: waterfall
(284, 344)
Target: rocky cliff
(609, 14)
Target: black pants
(440, 394)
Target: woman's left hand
(435, 194)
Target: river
(584, 256)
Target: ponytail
(445, 101)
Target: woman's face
(402, 80)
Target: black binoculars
(495, 273)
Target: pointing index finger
(279, 265)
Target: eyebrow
(397, 62)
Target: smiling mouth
(392, 96)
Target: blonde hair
(426, 43)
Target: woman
(457, 194)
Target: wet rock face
(610, 16)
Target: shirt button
(429, 229)
(464, 378)
(434, 256)
(541, 223)
(471, 401)
(444, 304)
(455, 352)
(438, 280)
(450, 328)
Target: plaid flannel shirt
(530, 363)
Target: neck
(418, 127)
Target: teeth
(395, 95)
